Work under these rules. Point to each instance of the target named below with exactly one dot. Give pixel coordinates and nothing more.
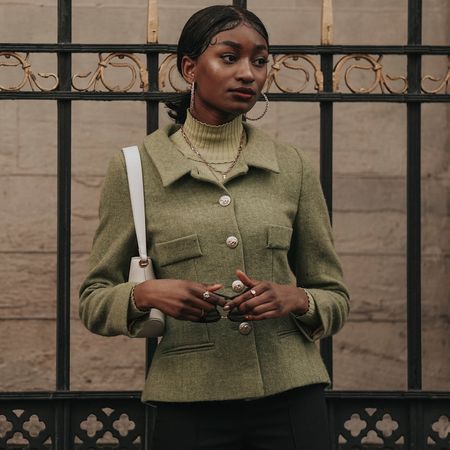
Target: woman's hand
(268, 300)
(181, 299)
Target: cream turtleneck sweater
(219, 144)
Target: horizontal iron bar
(136, 395)
(279, 97)
(282, 49)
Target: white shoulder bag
(141, 268)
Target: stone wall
(369, 194)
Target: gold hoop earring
(191, 106)
(264, 112)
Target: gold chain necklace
(223, 173)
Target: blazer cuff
(310, 323)
(134, 313)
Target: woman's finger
(245, 278)
(207, 294)
(258, 305)
(253, 301)
(272, 314)
(255, 292)
(199, 304)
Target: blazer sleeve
(104, 296)
(314, 260)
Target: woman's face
(229, 75)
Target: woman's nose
(245, 71)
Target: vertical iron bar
(64, 203)
(332, 424)
(62, 423)
(241, 3)
(417, 436)
(326, 174)
(413, 190)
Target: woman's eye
(229, 58)
(261, 61)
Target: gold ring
(253, 292)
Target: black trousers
(293, 420)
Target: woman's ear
(188, 66)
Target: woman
(236, 220)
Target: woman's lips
(242, 95)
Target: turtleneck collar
(217, 143)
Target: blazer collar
(172, 164)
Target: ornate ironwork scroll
(130, 61)
(374, 65)
(12, 59)
(306, 66)
(289, 62)
(167, 75)
(444, 82)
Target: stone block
(435, 157)
(359, 194)
(85, 203)
(28, 286)
(27, 361)
(435, 18)
(105, 363)
(28, 136)
(37, 137)
(373, 356)
(374, 144)
(370, 23)
(255, 5)
(28, 219)
(435, 351)
(101, 129)
(117, 23)
(377, 285)
(27, 355)
(371, 232)
(29, 22)
(370, 356)
(296, 123)
(9, 130)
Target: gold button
(232, 241)
(225, 200)
(237, 285)
(245, 328)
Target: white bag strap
(135, 184)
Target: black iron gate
(62, 411)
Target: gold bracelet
(308, 295)
(133, 300)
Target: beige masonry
(369, 193)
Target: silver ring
(203, 313)
(206, 295)
(253, 292)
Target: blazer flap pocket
(179, 249)
(279, 236)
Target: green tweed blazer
(279, 216)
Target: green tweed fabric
(279, 215)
